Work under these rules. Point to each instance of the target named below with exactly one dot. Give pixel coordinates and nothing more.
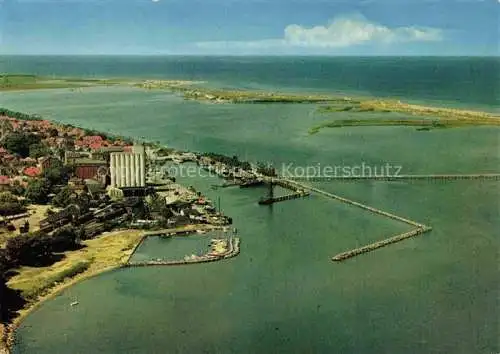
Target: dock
(181, 231)
(272, 200)
(438, 177)
(233, 251)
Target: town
(62, 187)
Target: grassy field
(108, 250)
(424, 117)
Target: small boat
(74, 303)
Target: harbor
(220, 249)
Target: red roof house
(32, 171)
(5, 183)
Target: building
(105, 152)
(86, 168)
(128, 169)
(5, 183)
(47, 162)
(70, 157)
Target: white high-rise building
(128, 169)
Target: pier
(181, 231)
(419, 228)
(373, 246)
(442, 177)
(272, 200)
(363, 206)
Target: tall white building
(128, 169)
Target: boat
(74, 303)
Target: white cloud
(341, 32)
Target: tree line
(36, 249)
(18, 115)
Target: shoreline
(8, 339)
(194, 90)
(10, 329)
(8, 333)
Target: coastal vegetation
(423, 117)
(12, 82)
(192, 91)
(229, 161)
(109, 250)
(440, 117)
(10, 204)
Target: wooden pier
(440, 177)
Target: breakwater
(361, 205)
(420, 228)
(379, 244)
(232, 251)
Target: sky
(250, 27)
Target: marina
(220, 249)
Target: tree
(53, 132)
(10, 300)
(17, 188)
(38, 150)
(5, 129)
(6, 197)
(10, 205)
(57, 173)
(38, 191)
(19, 143)
(63, 239)
(63, 198)
(11, 208)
